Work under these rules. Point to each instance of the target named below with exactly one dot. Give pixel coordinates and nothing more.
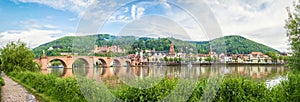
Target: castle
(106, 49)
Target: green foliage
(155, 93)
(171, 59)
(292, 26)
(2, 83)
(17, 57)
(274, 56)
(60, 89)
(60, 45)
(84, 45)
(160, 44)
(287, 90)
(240, 89)
(56, 63)
(209, 59)
(226, 89)
(200, 59)
(176, 59)
(234, 45)
(231, 89)
(166, 59)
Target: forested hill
(234, 44)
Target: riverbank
(197, 63)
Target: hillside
(234, 44)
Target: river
(271, 74)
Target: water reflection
(56, 71)
(266, 72)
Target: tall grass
(228, 89)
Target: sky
(36, 22)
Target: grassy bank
(49, 87)
(227, 89)
(2, 83)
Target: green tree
(209, 59)
(266, 60)
(273, 56)
(166, 59)
(293, 33)
(215, 59)
(180, 59)
(171, 59)
(17, 57)
(176, 59)
(200, 59)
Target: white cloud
(32, 23)
(260, 20)
(32, 37)
(133, 10)
(165, 3)
(77, 6)
(137, 11)
(140, 12)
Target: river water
(271, 74)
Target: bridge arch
(80, 66)
(58, 59)
(127, 63)
(103, 62)
(79, 61)
(56, 69)
(117, 63)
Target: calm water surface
(269, 73)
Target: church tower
(172, 51)
(210, 51)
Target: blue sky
(39, 21)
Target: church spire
(210, 51)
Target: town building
(258, 57)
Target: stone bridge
(89, 62)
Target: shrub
(61, 89)
(288, 90)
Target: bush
(155, 93)
(60, 89)
(17, 57)
(288, 90)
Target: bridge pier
(68, 72)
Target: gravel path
(14, 92)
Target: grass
(230, 88)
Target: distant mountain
(236, 45)
(84, 44)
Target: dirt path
(14, 92)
